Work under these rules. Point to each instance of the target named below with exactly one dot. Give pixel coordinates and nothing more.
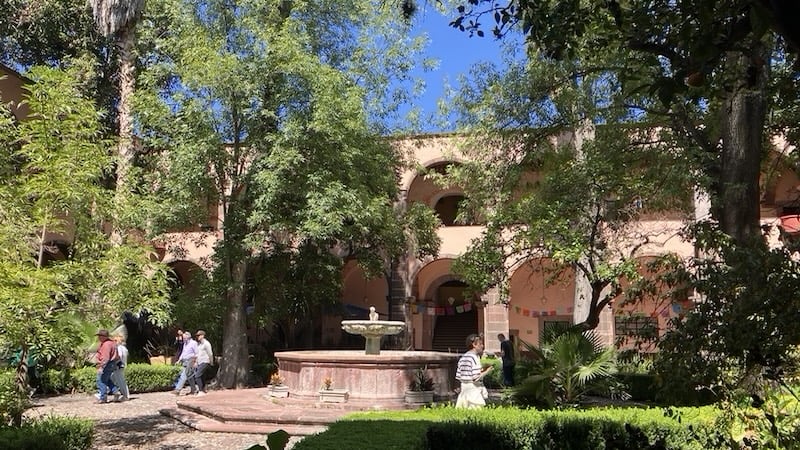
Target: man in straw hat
(205, 355)
(106, 364)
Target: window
(634, 325)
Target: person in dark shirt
(507, 353)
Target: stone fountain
(371, 377)
(373, 330)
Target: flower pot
(419, 397)
(333, 395)
(279, 391)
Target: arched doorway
(456, 316)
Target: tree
(264, 106)
(52, 163)
(51, 33)
(720, 77)
(549, 191)
(697, 58)
(116, 19)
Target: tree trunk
(125, 146)
(235, 364)
(743, 116)
(21, 384)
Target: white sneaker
(200, 394)
(117, 396)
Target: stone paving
(138, 423)
(253, 411)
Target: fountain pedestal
(373, 331)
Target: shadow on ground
(140, 431)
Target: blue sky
(456, 52)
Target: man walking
(106, 365)
(507, 353)
(188, 360)
(205, 355)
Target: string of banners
(526, 312)
(431, 309)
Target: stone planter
(333, 395)
(279, 391)
(419, 397)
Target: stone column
(495, 319)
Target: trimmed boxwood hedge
(140, 377)
(613, 428)
(509, 428)
(51, 433)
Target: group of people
(470, 372)
(111, 357)
(195, 357)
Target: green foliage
(744, 332)
(56, 433)
(369, 434)
(511, 428)
(284, 135)
(421, 380)
(140, 378)
(770, 420)
(54, 163)
(494, 379)
(12, 402)
(568, 364)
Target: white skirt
(472, 395)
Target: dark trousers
(508, 374)
(198, 375)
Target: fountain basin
(377, 379)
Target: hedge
(510, 428)
(51, 433)
(613, 428)
(140, 378)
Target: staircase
(451, 332)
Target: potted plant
(330, 395)
(276, 387)
(420, 389)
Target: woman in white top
(469, 372)
(118, 377)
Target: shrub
(632, 428)
(494, 379)
(140, 377)
(512, 428)
(12, 404)
(52, 433)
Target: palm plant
(568, 364)
(116, 20)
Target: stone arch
(539, 294)
(412, 175)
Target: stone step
(201, 422)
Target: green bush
(511, 428)
(494, 379)
(12, 404)
(631, 428)
(51, 433)
(140, 377)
